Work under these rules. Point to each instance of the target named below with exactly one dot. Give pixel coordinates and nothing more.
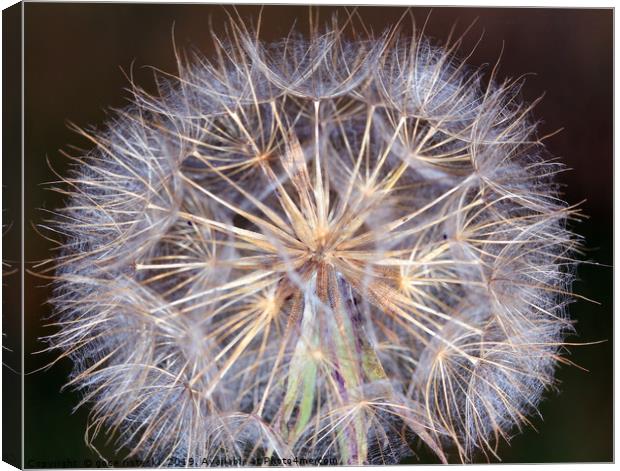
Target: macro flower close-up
(314, 246)
(336, 244)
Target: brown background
(73, 55)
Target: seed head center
(321, 254)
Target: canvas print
(273, 235)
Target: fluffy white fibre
(319, 247)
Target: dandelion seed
(324, 248)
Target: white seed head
(323, 248)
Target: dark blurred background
(74, 53)
(11, 235)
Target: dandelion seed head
(315, 247)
